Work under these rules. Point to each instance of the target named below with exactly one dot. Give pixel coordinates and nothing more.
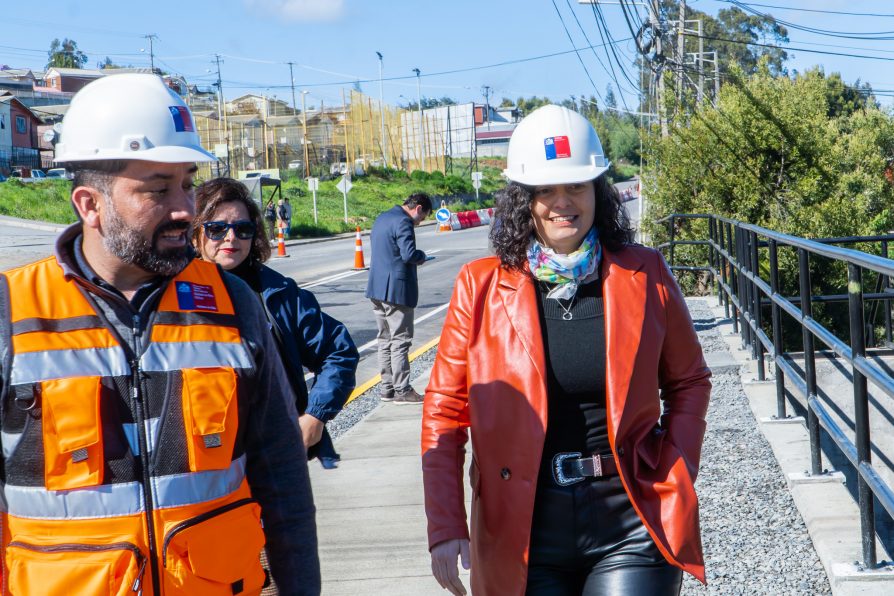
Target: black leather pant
(587, 540)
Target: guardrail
(739, 256)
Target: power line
(577, 53)
(596, 55)
(816, 10)
(868, 35)
(792, 48)
(607, 38)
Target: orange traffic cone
(358, 252)
(280, 242)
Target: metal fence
(744, 270)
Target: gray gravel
(355, 411)
(754, 538)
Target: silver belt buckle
(597, 466)
(559, 474)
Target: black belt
(571, 468)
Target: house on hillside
(258, 104)
(69, 80)
(18, 135)
(17, 80)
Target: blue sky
(334, 42)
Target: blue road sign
(443, 215)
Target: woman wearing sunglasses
(229, 231)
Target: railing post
(743, 289)
(713, 257)
(775, 314)
(723, 263)
(886, 304)
(758, 316)
(672, 234)
(861, 412)
(734, 275)
(813, 427)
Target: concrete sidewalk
(370, 515)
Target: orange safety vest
(125, 468)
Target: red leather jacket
(490, 376)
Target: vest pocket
(218, 552)
(72, 433)
(62, 569)
(211, 416)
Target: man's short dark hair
(419, 198)
(96, 174)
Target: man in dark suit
(394, 292)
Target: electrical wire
(601, 24)
(577, 53)
(596, 55)
(815, 10)
(864, 35)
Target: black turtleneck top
(575, 363)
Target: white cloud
(299, 10)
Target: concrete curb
(830, 513)
(18, 222)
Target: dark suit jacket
(392, 269)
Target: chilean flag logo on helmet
(182, 119)
(557, 147)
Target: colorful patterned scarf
(565, 271)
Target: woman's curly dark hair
(215, 192)
(514, 224)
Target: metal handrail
(733, 266)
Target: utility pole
(486, 89)
(701, 64)
(681, 53)
(419, 105)
(292, 79)
(383, 140)
(304, 134)
(151, 37)
(223, 108)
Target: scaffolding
(335, 139)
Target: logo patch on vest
(192, 296)
(557, 147)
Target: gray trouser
(395, 323)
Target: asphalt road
(326, 269)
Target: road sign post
(312, 185)
(476, 182)
(344, 185)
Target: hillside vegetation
(379, 190)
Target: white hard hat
(554, 145)
(129, 116)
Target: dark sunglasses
(217, 230)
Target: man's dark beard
(130, 246)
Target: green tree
(65, 54)
(730, 33)
(610, 101)
(782, 153)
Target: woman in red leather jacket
(572, 358)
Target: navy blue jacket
(392, 269)
(312, 339)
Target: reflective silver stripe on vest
(10, 442)
(130, 432)
(109, 500)
(170, 356)
(113, 500)
(34, 367)
(178, 490)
